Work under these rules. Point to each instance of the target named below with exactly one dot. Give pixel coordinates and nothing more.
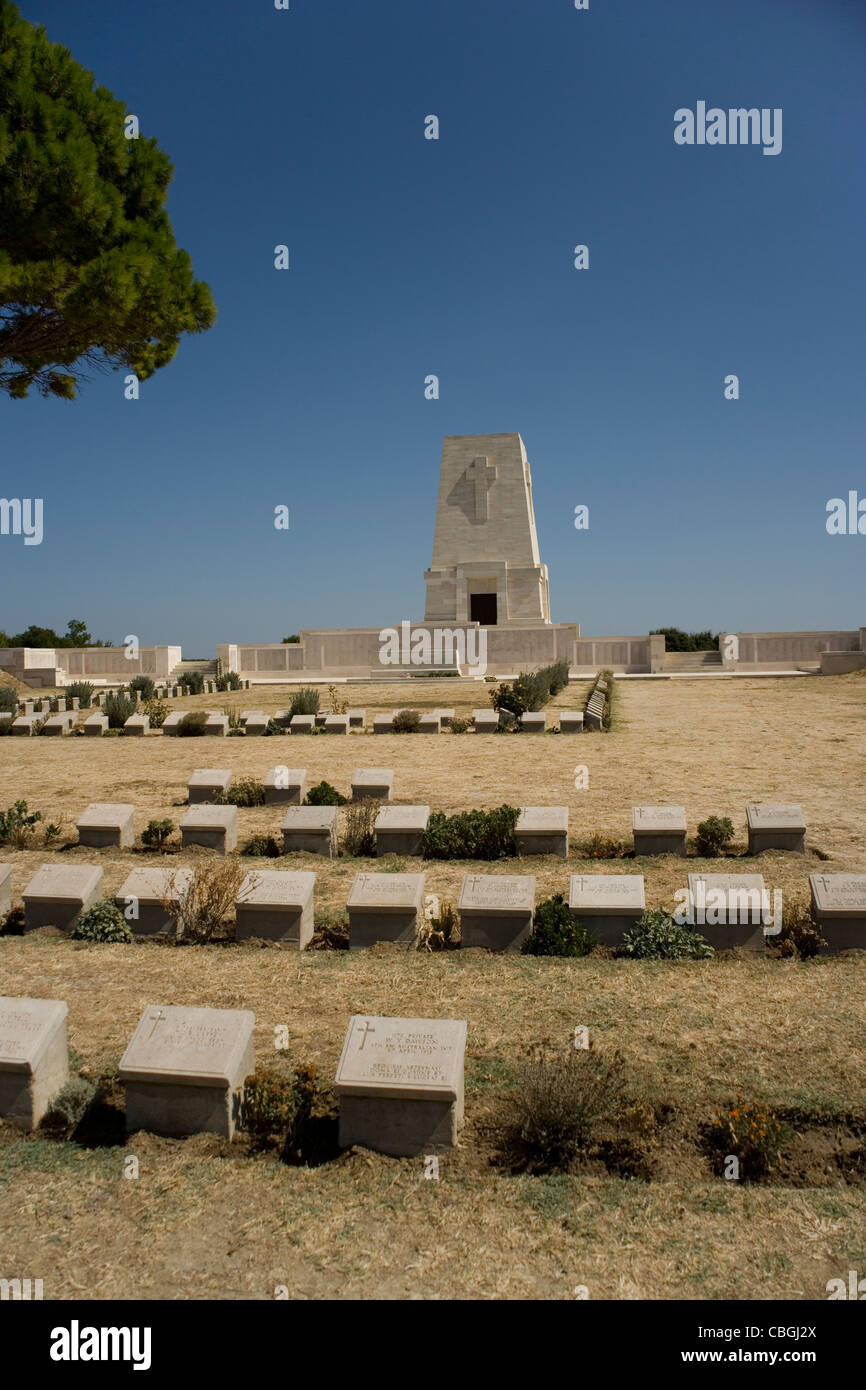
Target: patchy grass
(205, 1219)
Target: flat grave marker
(184, 1070)
(401, 1084)
(34, 1058)
(496, 910)
(385, 907)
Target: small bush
(800, 936)
(193, 724)
(339, 705)
(406, 721)
(156, 711)
(192, 682)
(156, 834)
(460, 726)
(82, 691)
(286, 1112)
(602, 847)
(562, 1099)
(305, 702)
(323, 794)
(714, 834)
(207, 908)
(16, 825)
(69, 1107)
(261, 847)
(360, 834)
(8, 700)
(230, 681)
(247, 791)
(753, 1133)
(144, 686)
(471, 834)
(556, 932)
(52, 832)
(102, 922)
(440, 930)
(656, 936)
(118, 707)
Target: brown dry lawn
(208, 1220)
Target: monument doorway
(482, 609)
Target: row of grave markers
(496, 910)
(255, 722)
(400, 1080)
(400, 828)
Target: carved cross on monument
(482, 474)
(367, 1029)
(156, 1018)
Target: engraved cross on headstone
(367, 1029)
(156, 1019)
(482, 474)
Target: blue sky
(455, 257)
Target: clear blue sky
(455, 257)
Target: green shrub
(561, 1100)
(678, 641)
(247, 791)
(556, 933)
(82, 691)
(16, 825)
(713, 835)
(323, 794)
(753, 1133)
(471, 834)
(406, 721)
(52, 832)
(102, 922)
(69, 1107)
(193, 724)
(230, 681)
(459, 726)
(305, 702)
(656, 936)
(360, 833)
(156, 711)
(118, 707)
(261, 847)
(192, 682)
(8, 700)
(274, 728)
(144, 686)
(531, 690)
(508, 697)
(156, 834)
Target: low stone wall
(838, 663)
(786, 651)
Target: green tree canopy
(90, 274)
(34, 636)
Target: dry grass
(207, 1220)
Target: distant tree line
(76, 636)
(678, 641)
